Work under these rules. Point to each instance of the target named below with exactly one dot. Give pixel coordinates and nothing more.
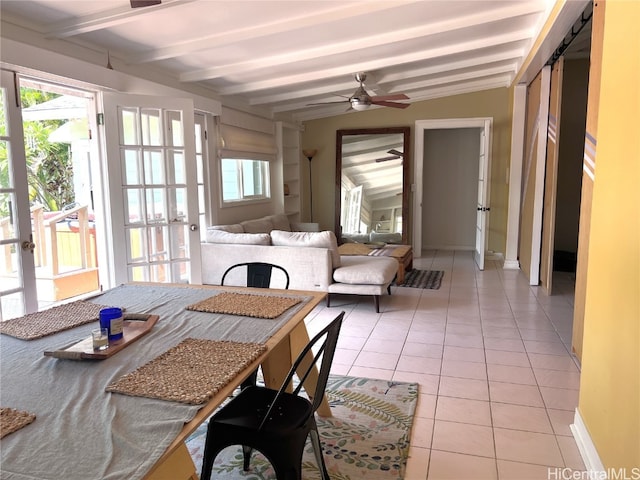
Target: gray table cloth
(82, 432)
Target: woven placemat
(12, 420)
(191, 372)
(246, 304)
(54, 320)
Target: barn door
(533, 176)
(588, 177)
(551, 178)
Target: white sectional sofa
(311, 258)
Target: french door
(152, 188)
(17, 267)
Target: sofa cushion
(234, 228)
(365, 270)
(325, 239)
(259, 225)
(280, 222)
(220, 236)
(395, 238)
(355, 238)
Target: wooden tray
(134, 327)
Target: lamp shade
(309, 152)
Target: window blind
(245, 135)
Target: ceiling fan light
(360, 107)
(360, 104)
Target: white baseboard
(511, 265)
(586, 447)
(449, 248)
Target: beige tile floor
(498, 386)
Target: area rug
(431, 279)
(367, 436)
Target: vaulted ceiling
(280, 56)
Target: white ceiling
(280, 56)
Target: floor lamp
(310, 153)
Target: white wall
(450, 188)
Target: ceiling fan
(144, 3)
(361, 100)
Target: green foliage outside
(49, 166)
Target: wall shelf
(288, 140)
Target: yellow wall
(610, 380)
(321, 134)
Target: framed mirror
(372, 185)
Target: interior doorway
(569, 173)
(451, 176)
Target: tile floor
(498, 386)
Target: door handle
(28, 245)
(193, 227)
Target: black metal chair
(276, 423)
(258, 274)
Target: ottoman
(363, 275)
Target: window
(244, 179)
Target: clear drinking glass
(100, 338)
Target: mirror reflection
(371, 168)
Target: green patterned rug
(368, 435)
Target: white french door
(17, 268)
(354, 209)
(152, 188)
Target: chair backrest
(324, 344)
(258, 274)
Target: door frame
(485, 123)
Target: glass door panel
(17, 266)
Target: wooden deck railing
(55, 247)
(52, 251)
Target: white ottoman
(363, 275)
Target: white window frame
(246, 198)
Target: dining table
(82, 431)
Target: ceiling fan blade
(144, 3)
(393, 96)
(326, 103)
(386, 159)
(389, 104)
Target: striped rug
(431, 279)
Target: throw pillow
(234, 228)
(260, 225)
(280, 222)
(220, 236)
(326, 239)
